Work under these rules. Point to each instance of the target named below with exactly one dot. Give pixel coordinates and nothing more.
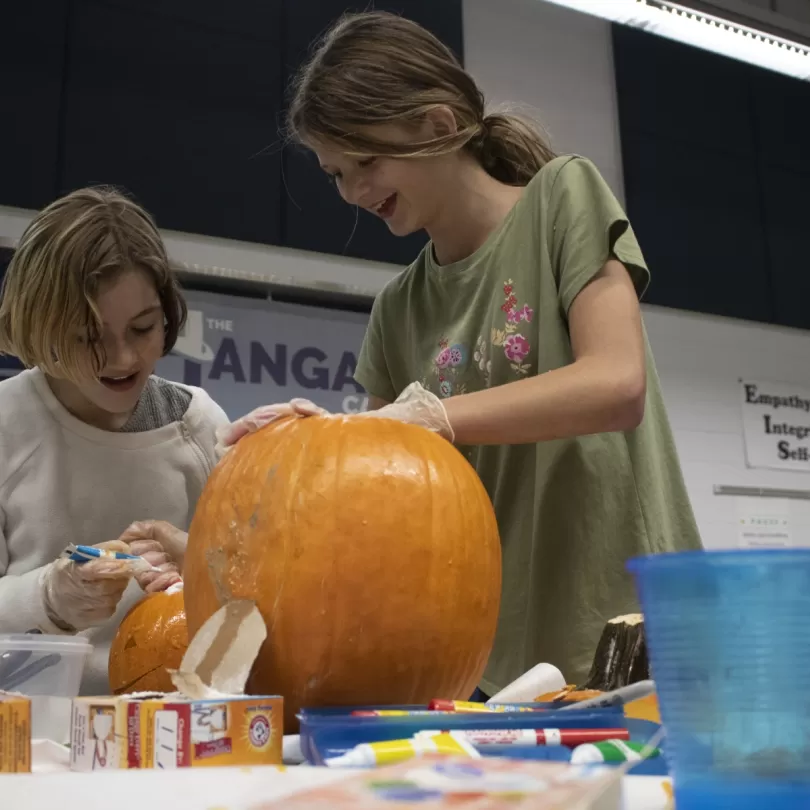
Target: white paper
(776, 425)
(763, 530)
(50, 718)
(539, 680)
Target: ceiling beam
(742, 13)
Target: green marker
(611, 751)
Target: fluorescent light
(703, 31)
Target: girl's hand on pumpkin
(167, 573)
(417, 406)
(163, 546)
(228, 436)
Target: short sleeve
(587, 228)
(372, 370)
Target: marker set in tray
(327, 734)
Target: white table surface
(52, 786)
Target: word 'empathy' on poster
(776, 425)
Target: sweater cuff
(22, 606)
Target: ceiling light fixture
(701, 30)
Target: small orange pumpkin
(151, 638)
(371, 550)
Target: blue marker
(83, 554)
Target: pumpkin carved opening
(150, 640)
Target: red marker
(466, 706)
(569, 737)
(393, 712)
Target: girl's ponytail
(511, 148)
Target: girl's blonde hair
(379, 68)
(48, 312)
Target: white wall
(700, 360)
(559, 64)
(553, 64)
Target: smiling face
(406, 193)
(90, 299)
(378, 90)
(131, 341)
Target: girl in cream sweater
(90, 439)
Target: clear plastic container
(729, 642)
(49, 670)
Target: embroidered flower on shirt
(481, 358)
(443, 358)
(525, 313)
(516, 347)
(448, 365)
(458, 354)
(509, 297)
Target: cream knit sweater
(63, 481)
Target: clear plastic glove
(162, 546)
(77, 596)
(228, 436)
(417, 406)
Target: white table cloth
(52, 785)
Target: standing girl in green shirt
(516, 333)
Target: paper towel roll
(537, 681)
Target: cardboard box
(15, 733)
(208, 722)
(162, 731)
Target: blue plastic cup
(728, 635)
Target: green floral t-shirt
(570, 512)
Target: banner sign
(246, 352)
(776, 425)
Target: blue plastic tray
(331, 732)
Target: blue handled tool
(83, 554)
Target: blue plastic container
(331, 732)
(729, 642)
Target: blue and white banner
(246, 353)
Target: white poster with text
(776, 425)
(764, 530)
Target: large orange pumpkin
(372, 551)
(151, 639)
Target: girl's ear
(440, 122)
